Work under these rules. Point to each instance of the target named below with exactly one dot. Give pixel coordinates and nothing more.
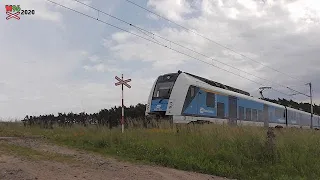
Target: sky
(60, 61)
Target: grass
(32, 154)
(234, 152)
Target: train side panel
(193, 100)
(250, 112)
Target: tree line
(105, 117)
(299, 106)
(134, 115)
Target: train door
(286, 116)
(190, 106)
(266, 115)
(233, 105)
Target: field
(220, 150)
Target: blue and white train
(186, 98)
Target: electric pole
(310, 85)
(310, 96)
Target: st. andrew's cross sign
(122, 82)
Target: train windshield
(163, 90)
(164, 86)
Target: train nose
(159, 105)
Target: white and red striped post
(122, 116)
(122, 82)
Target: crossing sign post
(122, 82)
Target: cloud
(100, 68)
(265, 32)
(304, 9)
(36, 60)
(130, 48)
(94, 59)
(174, 10)
(107, 43)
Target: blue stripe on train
(199, 107)
(159, 105)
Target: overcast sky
(60, 61)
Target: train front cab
(159, 97)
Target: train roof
(296, 110)
(219, 85)
(224, 91)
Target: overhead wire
(148, 32)
(219, 44)
(156, 42)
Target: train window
(289, 116)
(211, 100)
(300, 118)
(293, 116)
(220, 112)
(192, 91)
(248, 114)
(241, 112)
(298, 115)
(278, 113)
(260, 117)
(163, 90)
(254, 115)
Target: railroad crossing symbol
(121, 81)
(12, 15)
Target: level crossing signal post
(122, 82)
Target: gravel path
(79, 165)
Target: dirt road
(36, 159)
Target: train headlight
(170, 105)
